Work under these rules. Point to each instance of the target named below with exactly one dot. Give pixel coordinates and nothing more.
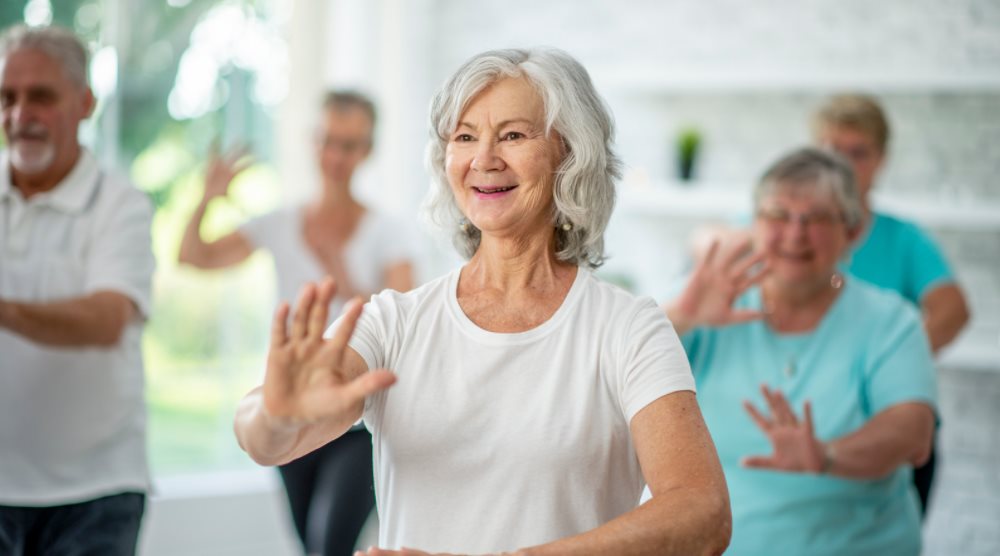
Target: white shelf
(634, 80)
(726, 203)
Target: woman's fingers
(337, 343)
(368, 384)
(320, 312)
(279, 326)
(807, 411)
(762, 422)
(302, 308)
(745, 315)
(759, 462)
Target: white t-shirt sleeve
(397, 241)
(653, 360)
(121, 257)
(260, 230)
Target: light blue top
(898, 255)
(868, 353)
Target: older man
(75, 267)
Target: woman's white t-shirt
(490, 441)
(378, 242)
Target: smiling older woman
(529, 402)
(855, 357)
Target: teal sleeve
(899, 365)
(928, 267)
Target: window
(173, 78)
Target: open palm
(719, 278)
(794, 442)
(308, 376)
(222, 169)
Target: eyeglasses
(815, 220)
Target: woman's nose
(487, 159)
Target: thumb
(370, 383)
(758, 462)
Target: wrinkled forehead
(30, 67)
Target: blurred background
(737, 80)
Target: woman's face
(500, 165)
(859, 149)
(342, 143)
(803, 234)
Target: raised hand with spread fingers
(796, 448)
(314, 388)
(724, 272)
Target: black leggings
(923, 479)
(331, 492)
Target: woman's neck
(336, 199)
(798, 307)
(516, 264)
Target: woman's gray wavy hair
(58, 43)
(584, 188)
(814, 169)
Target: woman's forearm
(683, 521)
(274, 441)
(899, 435)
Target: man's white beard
(32, 157)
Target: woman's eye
(462, 138)
(512, 136)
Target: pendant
(790, 368)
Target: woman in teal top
(818, 388)
(890, 252)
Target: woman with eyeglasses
(330, 491)
(818, 389)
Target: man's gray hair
(584, 188)
(60, 44)
(810, 168)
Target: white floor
(223, 514)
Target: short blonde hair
(854, 111)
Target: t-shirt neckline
(475, 332)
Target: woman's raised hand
(724, 272)
(796, 448)
(222, 168)
(310, 378)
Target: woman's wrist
(829, 459)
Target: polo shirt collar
(71, 195)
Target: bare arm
(689, 511)
(314, 389)
(227, 250)
(898, 435)
(945, 314)
(97, 319)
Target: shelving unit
(717, 202)
(729, 81)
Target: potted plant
(688, 144)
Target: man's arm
(945, 313)
(97, 319)
(689, 512)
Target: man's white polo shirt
(72, 420)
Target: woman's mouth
(493, 190)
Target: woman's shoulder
(868, 302)
(613, 300)
(434, 291)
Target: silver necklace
(791, 360)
